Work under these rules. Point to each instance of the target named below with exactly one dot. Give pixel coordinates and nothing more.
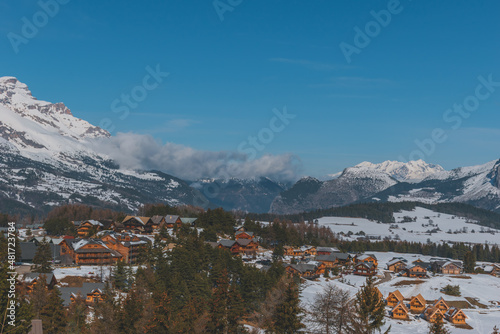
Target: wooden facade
(394, 298)
(416, 271)
(441, 304)
(417, 304)
(88, 227)
(129, 246)
(432, 314)
(396, 265)
(137, 224)
(400, 311)
(456, 316)
(243, 235)
(365, 269)
(451, 268)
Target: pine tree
(370, 308)
(77, 314)
(53, 315)
(438, 326)
(287, 318)
(43, 257)
(121, 276)
(469, 262)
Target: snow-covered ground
(426, 220)
(484, 288)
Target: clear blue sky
(226, 76)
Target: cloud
(143, 152)
(313, 65)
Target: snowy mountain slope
(47, 158)
(401, 171)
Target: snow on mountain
(402, 171)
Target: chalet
(88, 227)
(455, 316)
(342, 258)
(367, 258)
(288, 250)
(243, 235)
(493, 270)
(129, 246)
(417, 304)
(89, 252)
(31, 279)
(230, 245)
(303, 270)
(394, 298)
(441, 304)
(240, 228)
(137, 224)
(396, 265)
(91, 292)
(326, 250)
(309, 250)
(400, 311)
(432, 314)
(365, 269)
(172, 221)
(157, 222)
(330, 261)
(451, 268)
(247, 246)
(188, 221)
(416, 271)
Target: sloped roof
(396, 260)
(453, 312)
(141, 220)
(241, 232)
(93, 222)
(368, 265)
(419, 298)
(326, 258)
(156, 219)
(86, 289)
(397, 294)
(171, 219)
(243, 242)
(366, 256)
(227, 243)
(188, 220)
(29, 277)
(327, 249)
(400, 305)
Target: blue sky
(226, 76)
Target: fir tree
(42, 258)
(469, 262)
(53, 315)
(438, 326)
(121, 276)
(77, 314)
(370, 308)
(287, 318)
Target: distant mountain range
(48, 158)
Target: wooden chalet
(88, 227)
(243, 235)
(396, 265)
(441, 304)
(138, 224)
(416, 271)
(367, 258)
(89, 252)
(91, 292)
(326, 250)
(400, 311)
(451, 268)
(417, 304)
(302, 269)
(189, 221)
(31, 279)
(230, 245)
(129, 246)
(394, 298)
(172, 221)
(495, 270)
(157, 222)
(365, 269)
(455, 316)
(309, 250)
(432, 314)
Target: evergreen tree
(77, 314)
(287, 318)
(121, 276)
(469, 262)
(43, 257)
(326, 274)
(370, 308)
(53, 315)
(39, 296)
(438, 326)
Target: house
(31, 280)
(89, 252)
(240, 228)
(28, 250)
(394, 298)
(400, 311)
(367, 258)
(365, 269)
(452, 268)
(247, 246)
(230, 245)
(342, 258)
(157, 222)
(128, 245)
(417, 304)
(243, 235)
(88, 227)
(188, 221)
(441, 304)
(305, 270)
(309, 250)
(455, 316)
(137, 224)
(416, 271)
(396, 265)
(329, 261)
(431, 314)
(172, 221)
(326, 250)
(91, 292)
(493, 270)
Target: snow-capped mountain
(402, 171)
(47, 158)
